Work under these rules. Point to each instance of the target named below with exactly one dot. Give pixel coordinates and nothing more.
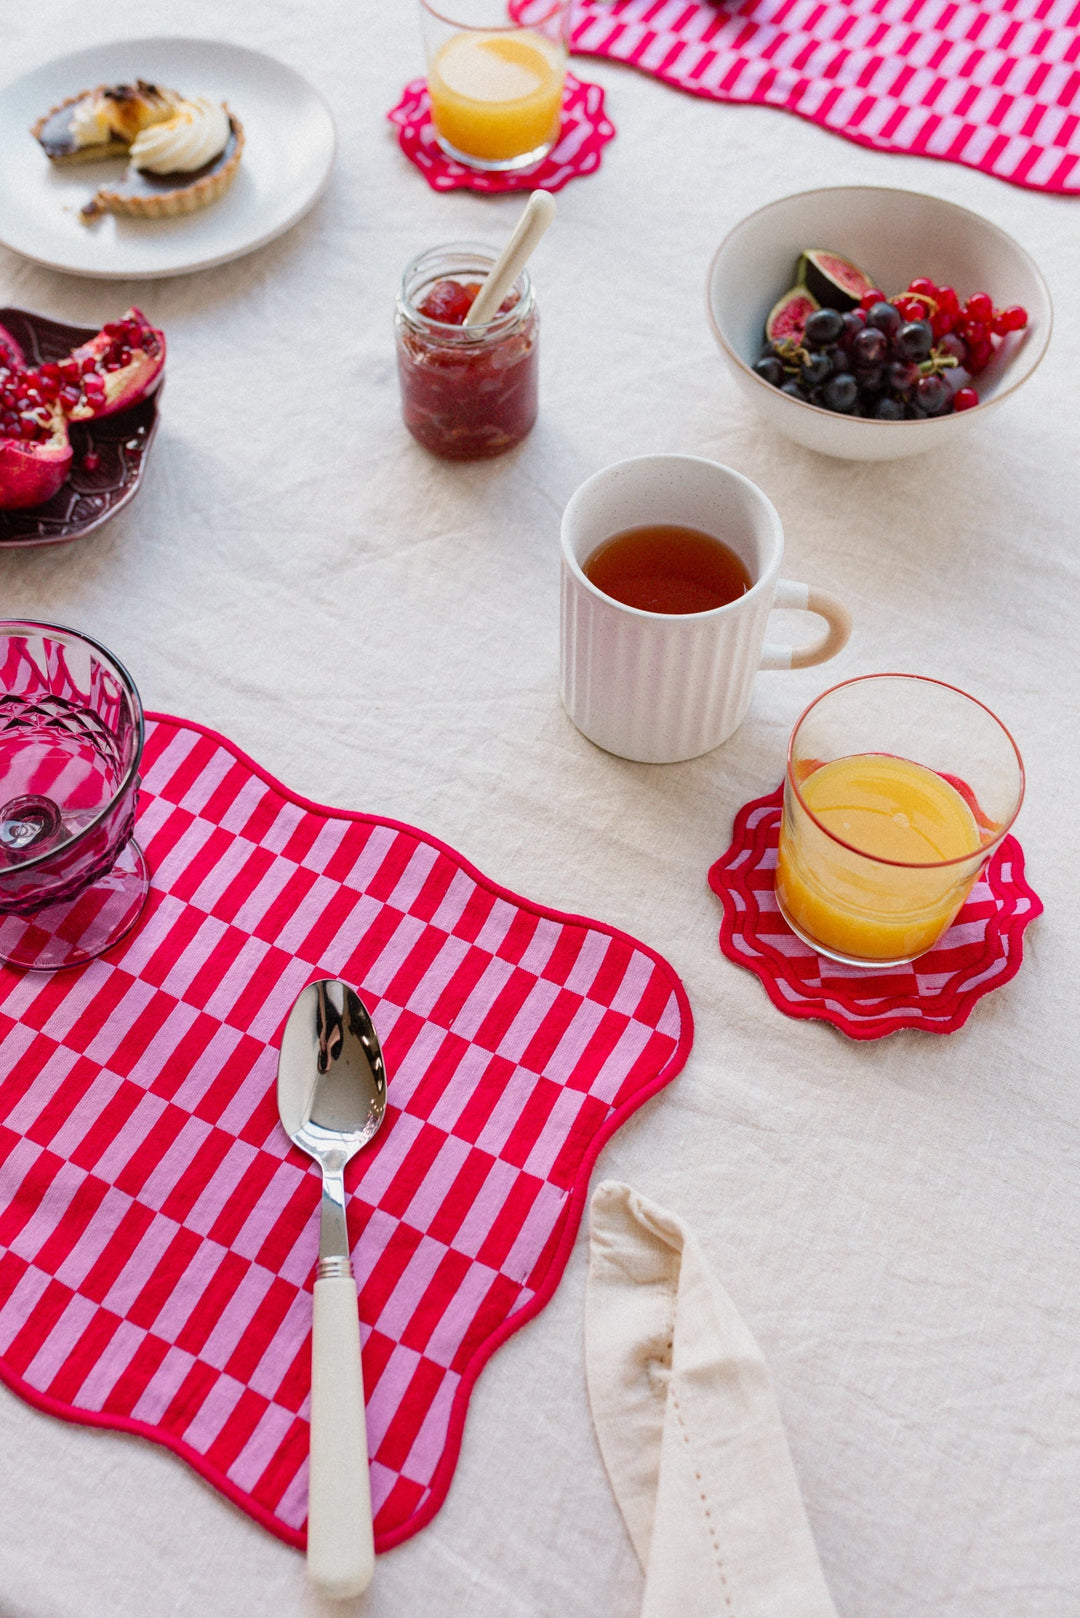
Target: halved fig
(787, 317)
(835, 282)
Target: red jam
(467, 392)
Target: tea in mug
(661, 567)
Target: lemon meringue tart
(182, 153)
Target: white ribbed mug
(660, 687)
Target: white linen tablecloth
(897, 1221)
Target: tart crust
(186, 196)
(131, 103)
(77, 154)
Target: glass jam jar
(467, 392)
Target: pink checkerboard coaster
(981, 951)
(158, 1233)
(995, 86)
(585, 132)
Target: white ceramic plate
(288, 152)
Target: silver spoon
(331, 1093)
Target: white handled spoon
(538, 214)
(331, 1092)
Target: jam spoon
(537, 215)
(331, 1093)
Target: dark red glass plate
(121, 443)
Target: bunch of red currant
(962, 332)
(891, 359)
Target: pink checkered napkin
(995, 86)
(158, 1233)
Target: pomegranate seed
(965, 399)
(93, 385)
(91, 461)
(88, 364)
(51, 370)
(28, 427)
(69, 370)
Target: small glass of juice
(898, 789)
(467, 392)
(495, 71)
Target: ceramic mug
(661, 687)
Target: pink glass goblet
(73, 880)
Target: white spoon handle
(340, 1549)
(536, 218)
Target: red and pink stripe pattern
(995, 86)
(158, 1233)
(982, 950)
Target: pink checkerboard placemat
(995, 85)
(158, 1233)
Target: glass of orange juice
(898, 789)
(495, 71)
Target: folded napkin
(689, 1427)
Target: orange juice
(497, 97)
(885, 809)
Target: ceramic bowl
(893, 236)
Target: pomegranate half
(117, 368)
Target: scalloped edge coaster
(585, 131)
(981, 951)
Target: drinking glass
(73, 880)
(898, 789)
(495, 71)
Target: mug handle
(807, 598)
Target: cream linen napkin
(689, 1427)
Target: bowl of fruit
(871, 323)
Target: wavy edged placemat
(586, 130)
(158, 1233)
(994, 86)
(981, 951)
